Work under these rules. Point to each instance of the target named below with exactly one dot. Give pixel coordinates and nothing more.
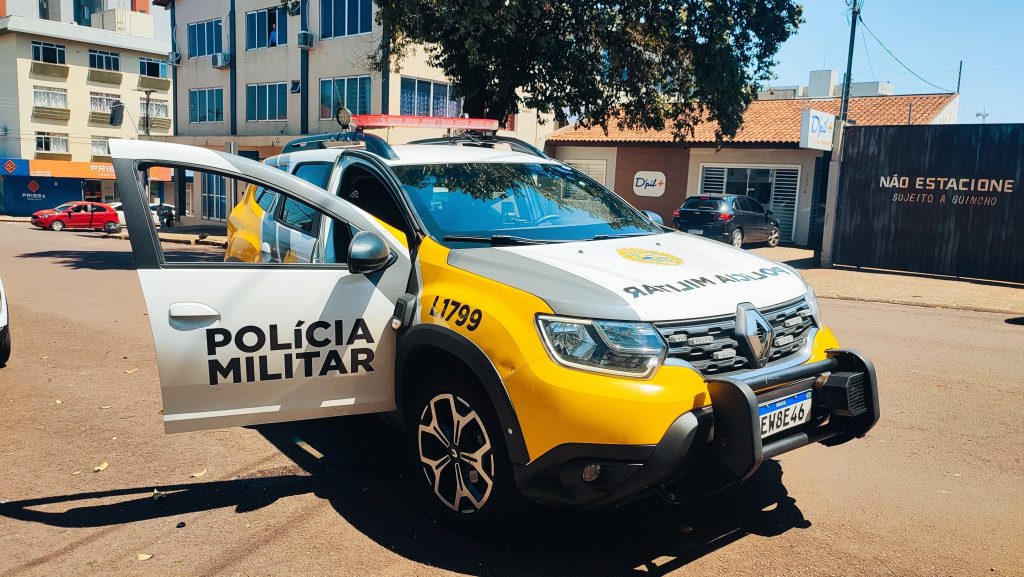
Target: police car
(535, 336)
(5, 329)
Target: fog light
(590, 472)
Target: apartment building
(251, 74)
(65, 64)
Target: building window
(265, 28)
(157, 108)
(352, 93)
(100, 146)
(103, 60)
(204, 38)
(214, 196)
(51, 142)
(345, 17)
(426, 98)
(49, 97)
(48, 52)
(206, 105)
(101, 102)
(266, 101)
(153, 67)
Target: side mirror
(654, 217)
(367, 252)
(769, 211)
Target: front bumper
(711, 448)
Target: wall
(762, 156)
(673, 161)
(20, 200)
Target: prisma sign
(649, 183)
(816, 129)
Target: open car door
(243, 339)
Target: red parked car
(88, 215)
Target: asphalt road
(937, 488)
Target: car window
(740, 203)
(98, 208)
(265, 198)
(704, 203)
(317, 173)
(755, 206)
(298, 215)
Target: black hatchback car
(729, 218)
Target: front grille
(711, 345)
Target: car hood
(670, 276)
(45, 212)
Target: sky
(930, 37)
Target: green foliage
(638, 63)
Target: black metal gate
(943, 199)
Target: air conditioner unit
(221, 60)
(306, 40)
(174, 58)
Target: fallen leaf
(180, 525)
(130, 371)
(102, 466)
(77, 472)
(106, 406)
(198, 474)
(158, 494)
(145, 556)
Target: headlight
(622, 348)
(812, 304)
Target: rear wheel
(457, 446)
(57, 225)
(774, 236)
(736, 238)
(112, 228)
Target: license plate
(696, 231)
(786, 413)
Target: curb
(923, 304)
(188, 241)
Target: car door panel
(243, 343)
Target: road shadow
(1019, 321)
(120, 259)
(355, 465)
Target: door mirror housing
(769, 211)
(367, 252)
(654, 217)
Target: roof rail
(374, 144)
(485, 140)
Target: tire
(774, 236)
(5, 345)
(112, 228)
(487, 497)
(736, 238)
(57, 225)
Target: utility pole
(834, 166)
(145, 122)
(983, 115)
(959, 75)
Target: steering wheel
(547, 219)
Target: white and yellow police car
(5, 327)
(536, 336)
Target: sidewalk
(212, 235)
(900, 287)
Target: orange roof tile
(777, 121)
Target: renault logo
(754, 332)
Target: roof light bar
(449, 122)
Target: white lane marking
(338, 402)
(222, 413)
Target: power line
(864, 41)
(907, 68)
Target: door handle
(192, 311)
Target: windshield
(537, 202)
(64, 207)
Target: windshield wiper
(496, 239)
(607, 236)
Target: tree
(639, 63)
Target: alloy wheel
(456, 453)
(773, 237)
(737, 238)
